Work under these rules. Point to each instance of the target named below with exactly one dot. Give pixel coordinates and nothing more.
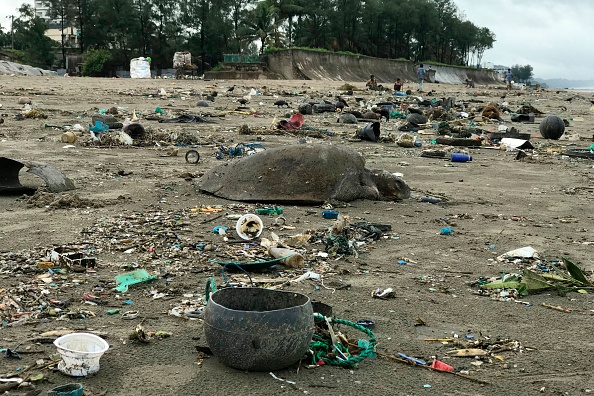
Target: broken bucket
(258, 329)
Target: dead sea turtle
(303, 174)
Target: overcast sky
(10, 7)
(551, 35)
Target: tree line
(417, 30)
(522, 74)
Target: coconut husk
(491, 111)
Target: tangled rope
(238, 267)
(321, 348)
(210, 288)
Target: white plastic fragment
(307, 275)
(524, 252)
(281, 379)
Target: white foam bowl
(80, 353)
(244, 221)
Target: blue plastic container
(329, 214)
(461, 157)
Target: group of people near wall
(373, 85)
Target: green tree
(425, 31)
(346, 23)
(213, 27)
(465, 35)
(484, 40)
(261, 24)
(374, 28)
(220, 36)
(4, 38)
(238, 14)
(419, 30)
(522, 74)
(90, 23)
(63, 11)
(445, 29)
(82, 10)
(29, 37)
(313, 28)
(166, 14)
(95, 63)
(118, 32)
(287, 11)
(144, 26)
(403, 17)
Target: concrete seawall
(313, 65)
(7, 67)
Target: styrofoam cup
(253, 222)
(80, 353)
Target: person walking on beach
(508, 78)
(421, 76)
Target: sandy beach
(139, 207)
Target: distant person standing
(508, 78)
(421, 76)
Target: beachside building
(70, 35)
(55, 32)
(42, 10)
(500, 68)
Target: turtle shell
(295, 173)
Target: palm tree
(261, 23)
(287, 11)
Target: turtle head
(390, 186)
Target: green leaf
(534, 282)
(582, 291)
(557, 277)
(502, 285)
(576, 272)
